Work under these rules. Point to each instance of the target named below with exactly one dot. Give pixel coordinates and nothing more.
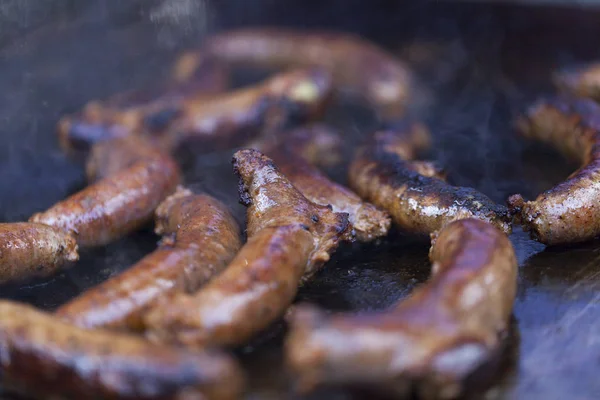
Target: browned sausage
(119, 203)
(289, 238)
(570, 211)
(295, 153)
(136, 110)
(30, 250)
(45, 357)
(200, 239)
(428, 343)
(583, 81)
(382, 173)
(356, 64)
(207, 121)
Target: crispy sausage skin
(383, 174)
(137, 110)
(296, 154)
(583, 81)
(43, 356)
(30, 250)
(200, 239)
(570, 211)
(207, 121)
(122, 201)
(431, 341)
(357, 65)
(289, 238)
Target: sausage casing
(117, 204)
(357, 65)
(200, 239)
(30, 250)
(288, 239)
(43, 356)
(570, 211)
(421, 204)
(428, 343)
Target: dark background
(479, 65)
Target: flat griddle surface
(478, 65)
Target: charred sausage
(428, 343)
(289, 238)
(357, 65)
(570, 211)
(207, 121)
(33, 250)
(295, 156)
(200, 239)
(45, 357)
(382, 173)
(119, 203)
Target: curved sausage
(357, 65)
(383, 174)
(200, 239)
(208, 122)
(289, 238)
(582, 81)
(43, 356)
(570, 211)
(30, 250)
(295, 157)
(428, 343)
(121, 202)
(134, 111)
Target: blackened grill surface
(480, 65)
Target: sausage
(582, 81)
(209, 122)
(45, 357)
(30, 250)
(358, 66)
(119, 203)
(428, 343)
(137, 110)
(289, 238)
(569, 212)
(382, 173)
(294, 155)
(200, 239)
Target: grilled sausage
(208, 122)
(119, 203)
(428, 343)
(134, 111)
(289, 238)
(382, 174)
(200, 239)
(33, 250)
(43, 356)
(570, 211)
(583, 81)
(294, 155)
(357, 65)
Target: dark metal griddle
(479, 65)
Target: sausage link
(119, 203)
(382, 173)
(570, 211)
(294, 155)
(200, 239)
(289, 238)
(428, 343)
(135, 111)
(45, 357)
(30, 250)
(357, 65)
